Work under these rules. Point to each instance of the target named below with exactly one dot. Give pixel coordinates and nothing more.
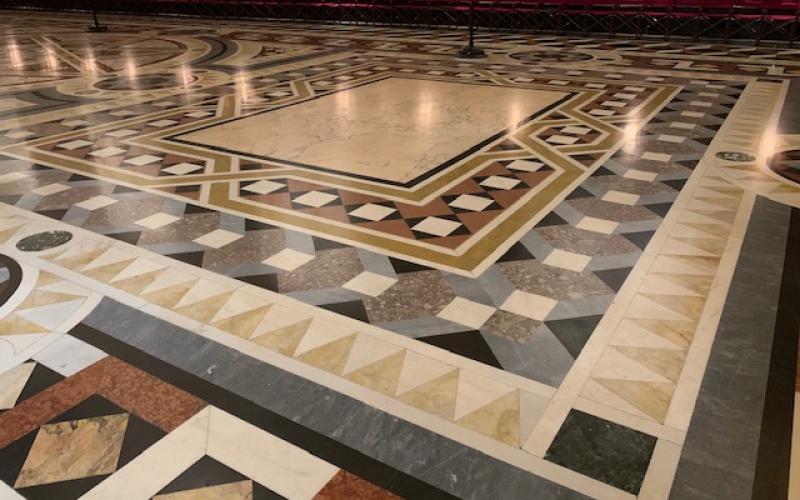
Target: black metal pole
(470, 51)
(96, 27)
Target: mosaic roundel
(143, 82)
(787, 165)
(551, 56)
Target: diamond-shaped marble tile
(162, 123)
(436, 226)
(156, 221)
(218, 238)
(76, 144)
(500, 182)
(315, 199)
(467, 312)
(471, 202)
(373, 212)
(142, 160)
(107, 152)
(263, 187)
(182, 168)
(73, 450)
(288, 259)
(96, 202)
(122, 133)
(370, 283)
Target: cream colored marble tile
(50, 189)
(674, 139)
(263, 187)
(315, 199)
(529, 305)
(156, 221)
(183, 168)
(76, 144)
(218, 238)
(649, 155)
(96, 202)
(288, 259)
(373, 212)
(500, 182)
(107, 152)
(471, 202)
(597, 225)
(640, 175)
(525, 165)
(466, 312)
(436, 226)
(370, 283)
(288, 470)
(394, 129)
(567, 260)
(620, 197)
(141, 160)
(11, 384)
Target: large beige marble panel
(394, 129)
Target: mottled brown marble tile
(345, 485)
(254, 246)
(70, 197)
(329, 269)
(125, 212)
(415, 295)
(510, 326)
(188, 228)
(633, 186)
(584, 242)
(561, 284)
(612, 211)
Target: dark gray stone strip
(721, 448)
(451, 467)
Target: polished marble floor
(255, 260)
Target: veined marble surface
(395, 129)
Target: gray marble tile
(446, 464)
(719, 456)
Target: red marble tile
(345, 485)
(155, 401)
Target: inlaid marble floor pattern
(264, 260)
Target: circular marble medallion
(787, 165)
(735, 156)
(143, 82)
(43, 241)
(551, 56)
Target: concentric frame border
(470, 258)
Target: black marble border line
(775, 443)
(720, 452)
(321, 446)
(397, 455)
(430, 173)
(14, 278)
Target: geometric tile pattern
(572, 350)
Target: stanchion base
(97, 29)
(471, 52)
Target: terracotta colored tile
(161, 404)
(345, 485)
